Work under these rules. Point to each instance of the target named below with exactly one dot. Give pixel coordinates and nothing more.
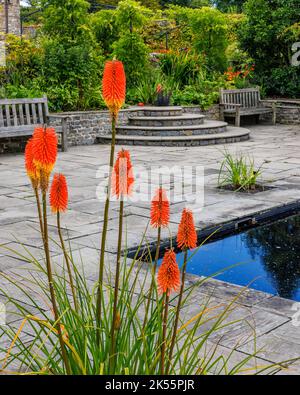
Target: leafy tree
(186, 3)
(209, 28)
(134, 53)
(268, 33)
(199, 3)
(105, 28)
(228, 5)
(153, 4)
(66, 19)
(130, 48)
(131, 15)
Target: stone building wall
(14, 22)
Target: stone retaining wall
(288, 112)
(86, 126)
(288, 115)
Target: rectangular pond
(265, 258)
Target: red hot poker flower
(159, 88)
(114, 85)
(187, 235)
(44, 148)
(59, 194)
(160, 209)
(122, 177)
(168, 276)
(31, 168)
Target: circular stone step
(179, 120)
(232, 135)
(158, 111)
(207, 127)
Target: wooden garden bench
(19, 117)
(236, 103)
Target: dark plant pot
(163, 99)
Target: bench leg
(238, 118)
(274, 114)
(64, 135)
(222, 116)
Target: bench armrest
(230, 104)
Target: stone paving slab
(281, 344)
(271, 316)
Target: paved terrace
(278, 147)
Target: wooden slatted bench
(19, 117)
(236, 103)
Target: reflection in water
(278, 246)
(266, 258)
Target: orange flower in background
(122, 177)
(44, 148)
(31, 168)
(114, 85)
(159, 88)
(187, 235)
(168, 276)
(160, 209)
(59, 193)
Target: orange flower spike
(168, 276)
(31, 168)
(159, 88)
(122, 177)
(187, 235)
(59, 194)
(44, 148)
(160, 209)
(114, 85)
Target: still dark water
(268, 258)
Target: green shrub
(20, 91)
(105, 28)
(23, 60)
(71, 74)
(209, 27)
(134, 53)
(267, 34)
(282, 81)
(181, 66)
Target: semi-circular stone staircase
(170, 126)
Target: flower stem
(153, 278)
(104, 230)
(177, 310)
(117, 280)
(51, 287)
(67, 262)
(163, 344)
(38, 203)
